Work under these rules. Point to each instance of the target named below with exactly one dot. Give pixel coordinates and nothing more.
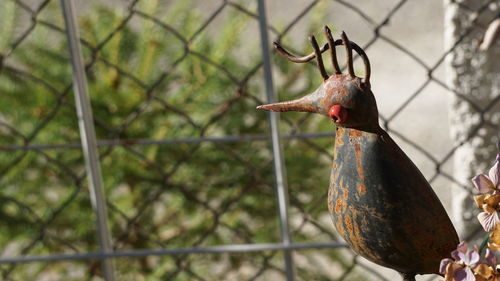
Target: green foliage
(147, 83)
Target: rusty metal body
(383, 206)
(379, 201)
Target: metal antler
(348, 50)
(317, 53)
(349, 45)
(293, 58)
(331, 44)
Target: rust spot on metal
(339, 137)
(374, 214)
(348, 223)
(364, 224)
(359, 166)
(355, 133)
(357, 232)
(338, 205)
(361, 188)
(340, 227)
(345, 193)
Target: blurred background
(188, 172)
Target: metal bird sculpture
(380, 202)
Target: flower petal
(462, 247)
(443, 264)
(461, 250)
(473, 258)
(492, 201)
(494, 246)
(485, 271)
(455, 256)
(488, 221)
(450, 271)
(494, 175)
(488, 207)
(470, 274)
(483, 183)
(462, 257)
(495, 235)
(464, 274)
(479, 199)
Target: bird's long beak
(309, 103)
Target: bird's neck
(343, 134)
(351, 139)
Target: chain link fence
(187, 162)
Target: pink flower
(486, 271)
(488, 202)
(460, 267)
(486, 183)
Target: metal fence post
(87, 135)
(279, 166)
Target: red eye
(338, 114)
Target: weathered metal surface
(379, 201)
(383, 206)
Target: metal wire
(87, 136)
(179, 251)
(278, 160)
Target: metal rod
(134, 142)
(87, 136)
(319, 57)
(221, 249)
(279, 167)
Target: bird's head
(346, 99)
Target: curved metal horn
(331, 44)
(365, 59)
(317, 52)
(348, 49)
(325, 47)
(293, 58)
